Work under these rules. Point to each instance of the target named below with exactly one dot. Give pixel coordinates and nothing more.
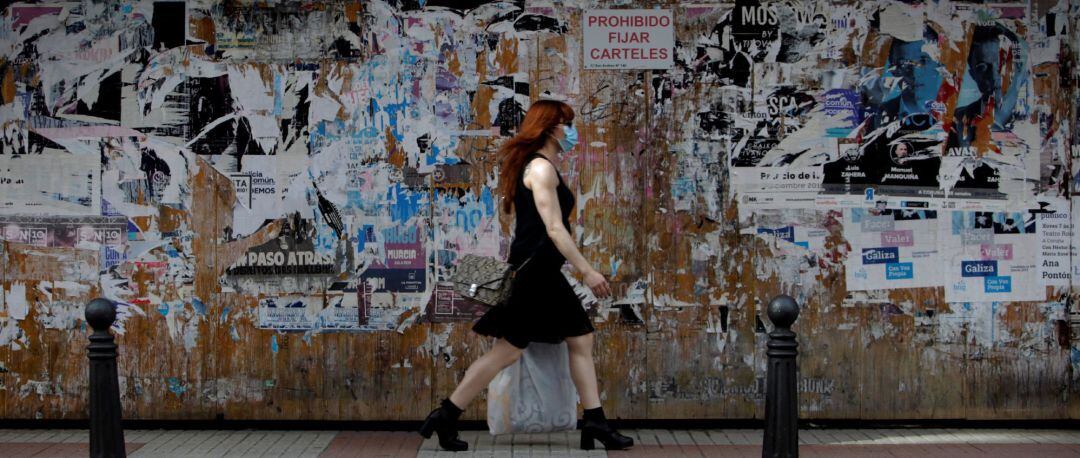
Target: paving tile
(59, 435)
(306, 440)
(701, 437)
(935, 436)
(130, 434)
(665, 437)
(214, 440)
(169, 442)
(647, 437)
(752, 437)
(828, 437)
(234, 438)
(682, 437)
(284, 440)
(894, 442)
(55, 449)
(19, 435)
(194, 442)
(41, 435)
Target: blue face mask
(569, 139)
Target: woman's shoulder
(539, 167)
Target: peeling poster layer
(276, 195)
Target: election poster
(933, 133)
(342, 311)
(289, 313)
(447, 305)
(774, 141)
(385, 311)
(628, 39)
(261, 191)
(776, 187)
(90, 232)
(402, 268)
(283, 256)
(799, 235)
(902, 160)
(290, 263)
(892, 248)
(992, 256)
(1055, 228)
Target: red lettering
(628, 37)
(630, 53)
(629, 21)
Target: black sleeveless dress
(543, 307)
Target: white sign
(628, 39)
(1055, 234)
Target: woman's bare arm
(542, 179)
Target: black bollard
(781, 397)
(106, 432)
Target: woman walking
(543, 307)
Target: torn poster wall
(303, 178)
(912, 119)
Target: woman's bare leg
(481, 371)
(583, 371)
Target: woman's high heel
(596, 428)
(443, 421)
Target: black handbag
(485, 279)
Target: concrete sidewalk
(921, 443)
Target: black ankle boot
(443, 421)
(595, 427)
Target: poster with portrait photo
(847, 174)
(901, 159)
(970, 178)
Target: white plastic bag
(535, 394)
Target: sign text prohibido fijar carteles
(628, 39)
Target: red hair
(539, 125)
